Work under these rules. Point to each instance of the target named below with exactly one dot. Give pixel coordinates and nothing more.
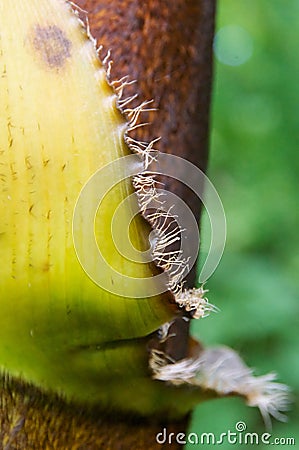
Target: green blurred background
(254, 164)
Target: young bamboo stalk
(61, 332)
(47, 93)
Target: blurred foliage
(254, 165)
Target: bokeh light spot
(233, 45)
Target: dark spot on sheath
(46, 267)
(52, 45)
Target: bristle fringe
(223, 371)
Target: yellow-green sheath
(59, 124)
